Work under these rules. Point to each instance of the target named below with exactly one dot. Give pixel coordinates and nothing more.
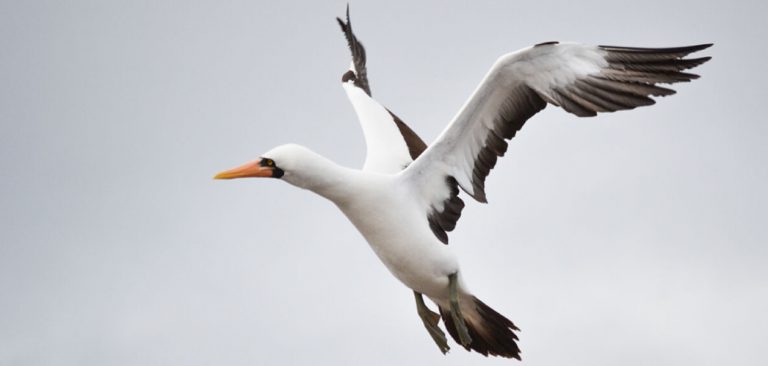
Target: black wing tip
(549, 43)
(684, 77)
(479, 196)
(682, 49)
(358, 53)
(345, 25)
(702, 46)
(701, 60)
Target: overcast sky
(635, 238)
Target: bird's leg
(458, 319)
(430, 319)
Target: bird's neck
(324, 177)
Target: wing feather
(359, 71)
(583, 80)
(391, 144)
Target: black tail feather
(492, 334)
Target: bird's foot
(458, 319)
(430, 320)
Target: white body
(387, 211)
(394, 224)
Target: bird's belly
(410, 252)
(423, 273)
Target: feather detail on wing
(358, 73)
(390, 144)
(583, 80)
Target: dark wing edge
(626, 83)
(415, 144)
(443, 221)
(629, 80)
(520, 105)
(358, 56)
(359, 76)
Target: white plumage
(386, 151)
(406, 198)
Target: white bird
(406, 198)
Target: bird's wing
(391, 144)
(583, 80)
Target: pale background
(637, 238)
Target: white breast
(395, 226)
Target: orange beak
(248, 170)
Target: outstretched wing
(391, 144)
(583, 80)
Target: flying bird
(406, 198)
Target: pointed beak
(248, 170)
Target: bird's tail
(492, 333)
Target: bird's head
(291, 163)
(272, 164)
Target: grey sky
(635, 238)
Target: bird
(408, 195)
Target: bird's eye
(268, 162)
